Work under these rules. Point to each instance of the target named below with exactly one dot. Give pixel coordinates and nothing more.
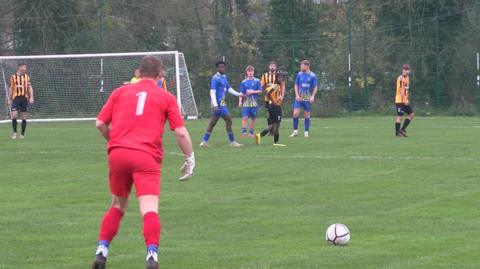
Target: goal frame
(175, 53)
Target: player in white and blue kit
(250, 88)
(306, 87)
(219, 86)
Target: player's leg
(14, 123)
(147, 185)
(228, 126)
(213, 121)
(253, 116)
(296, 114)
(398, 120)
(307, 111)
(276, 126)
(410, 116)
(151, 228)
(267, 107)
(120, 181)
(24, 116)
(268, 130)
(245, 112)
(14, 117)
(276, 134)
(109, 229)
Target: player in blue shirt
(306, 87)
(250, 88)
(219, 86)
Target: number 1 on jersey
(142, 97)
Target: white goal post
(74, 87)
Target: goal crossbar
(99, 55)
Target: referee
(20, 95)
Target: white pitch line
(271, 156)
(348, 157)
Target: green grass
(409, 203)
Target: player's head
(305, 65)
(137, 72)
(272, 66)
(250, 71)
(280, 77)
(22, 68)
(220, 65)
(406, 69)
(150, 67)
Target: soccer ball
(337, 234)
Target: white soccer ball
(337, 234)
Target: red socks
(110, 224)
(151, 228)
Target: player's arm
(400, 86)
(30, 93)
(232, 91)
(103, 129)
(257, 91)
(240, 98)
(10, 91)
(297, 95)
(164, 84)
(184, 142)
(315, 89)
(296, 88)
(213, 93)
(282, 90)
(268, 92)
(312, 98)
(105, 117)
(263, 81)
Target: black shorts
(275, 113)
(20, 104)
(402, 109)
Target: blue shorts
(222, 112)
(305, 105)
(250, 112)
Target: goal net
(75, 87)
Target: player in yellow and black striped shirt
(275, 93)
(20, 95)
(402, 102)
(268, 79)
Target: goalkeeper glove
(187, 167)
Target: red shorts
(128, 167)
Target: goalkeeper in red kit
(132, 121)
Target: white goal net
(74, 87)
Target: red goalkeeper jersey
(136, 114)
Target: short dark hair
(305, 62)
(150, 66)
(219, 63)
(272, 62)
(21, 64)
(279, 74)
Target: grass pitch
(409, 203)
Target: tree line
(438, 38)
